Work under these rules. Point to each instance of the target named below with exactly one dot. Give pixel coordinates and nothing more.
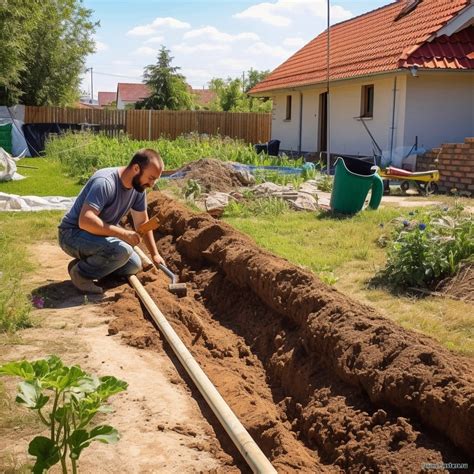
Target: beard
(136, 182)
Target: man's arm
(139, 218)
(90, 221)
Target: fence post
(149, 125)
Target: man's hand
(131, 237)
(157, 259)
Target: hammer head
(151, 224)
(178, 289)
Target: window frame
(289, 103)
(367, 101)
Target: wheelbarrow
(425, 182)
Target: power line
(116, 75)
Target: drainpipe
(301, 123)
(393, 117)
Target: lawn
(45, 178)
(346, 253)
(343, 252)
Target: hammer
(179, 289)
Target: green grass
(47, 180)
(345, 253)
(18, 231)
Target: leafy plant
(192, 190)
(428, 248)
(66, 400)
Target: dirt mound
(460, 286)
(213, 175)
(320, 381)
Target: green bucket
(352, 182)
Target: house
(203, 97)
(398, 75)
(130, 93)
(106, 98)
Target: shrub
(426, 249)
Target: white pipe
(239, 435)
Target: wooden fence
(152, 124)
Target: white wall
(287, 131)
(440, 108)
(348, 136)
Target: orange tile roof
(447, 52)
(106, 98)
(370, 43)
(132, 92)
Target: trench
(320, 381)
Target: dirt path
(322, 382)
(161, 424)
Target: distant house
(106, 98)
(400, 73)
(203, 97)
(130, 93)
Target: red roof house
(106, 98)
(405, 70)
(130, 93)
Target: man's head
(147, 167)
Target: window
(288, 107)
(367, 103)
(409, 6)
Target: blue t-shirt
(105, 192)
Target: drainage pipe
(239, 435)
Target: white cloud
(143, 30)
(263, 49)
(122, 62)
(212, 33)
(159, 22)
(145, 51)
(100, 46)
(170, 22)
(283, 12)
(236, 64)
(154, 39)
(199, 48)
(294, 42)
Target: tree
(168, 88)
(47, 43)
(231, 94)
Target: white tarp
(12, 202)
(8, 167)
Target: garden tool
(178, 289)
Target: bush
(424, 250)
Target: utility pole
(92, 85)
(328, 102)
(243, 81)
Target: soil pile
(461, 285)
(320, 381)
(213, 175)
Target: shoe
(71, 264)
(84, 284)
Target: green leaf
(81, 439)
(20, 368)
(46, 452)
(31, 396)
(110, 386)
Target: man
(89, 231)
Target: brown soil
(460, 286)
(321, 382)
(159, 417)
(212, 175)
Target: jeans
(99, 256)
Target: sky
(207, 38)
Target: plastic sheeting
(13, 202)
(8, 167)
